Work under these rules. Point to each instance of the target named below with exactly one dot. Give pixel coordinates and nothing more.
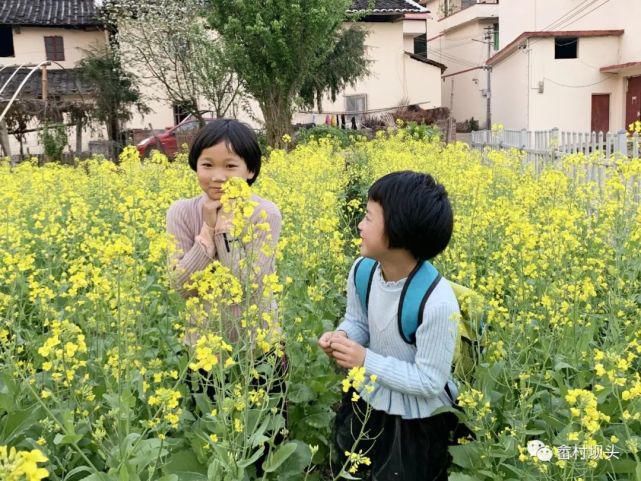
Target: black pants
(403, 449)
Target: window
(565, 47)
(55, 48)
(181, 111)
(356, 104)
(6, 41)
(420, 45)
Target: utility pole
(489, 33)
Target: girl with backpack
(409, 221)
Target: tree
(18, 118)
(342, 67)
(280, 48)
(168, 42)
(116, 91)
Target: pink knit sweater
(198, 245)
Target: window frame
(54, 48)
(358, 97)
(559, 48)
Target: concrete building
(463, 34)
(567, 64)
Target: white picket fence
(548, 147)
(551, 145)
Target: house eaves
(49, 13)
(428, 61)
(516, 43)
(386, 7)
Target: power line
(561, 20)
(575, 86)
(595, 8)
(453, 58)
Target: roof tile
(62, 13)
(387, 6)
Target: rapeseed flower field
(94, 374)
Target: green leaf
(319, 420)
(461, 477)
(465, 456)
(63, 439)
(299, 393)
(345, 475)
(18, 423)
(77, 470)
(297, 462)
(251, 460)
(98, 477)
(282, 453)
(186, 466)
(8, 393)
(123, 474)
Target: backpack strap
(418, 287)
(363, 275)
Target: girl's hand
(210, 211)
(325, 340)
(348, 353)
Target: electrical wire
(559, 21)
(576, 86)
(452, 58)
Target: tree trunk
(113, 133)
(4, 140)
(78, 137)
(278, 118)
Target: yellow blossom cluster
(64, 352)
(355, 460)
(21, 465)
(167, 401)
(583, 407)
(208, 352)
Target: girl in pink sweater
(222, 149)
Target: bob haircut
(416, 211)
(238, 138)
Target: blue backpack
(416, 291)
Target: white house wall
(462, 49)
(518, 16)
(395, 78)
(568, 84)
(510, 98)
(29, 45)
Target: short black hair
(416, 211)
(238, 137)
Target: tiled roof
(387, 6)
(60, 13)
(59, 82)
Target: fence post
(523, 139)
(553, 145)
(622, 142)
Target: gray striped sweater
(411, 378)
